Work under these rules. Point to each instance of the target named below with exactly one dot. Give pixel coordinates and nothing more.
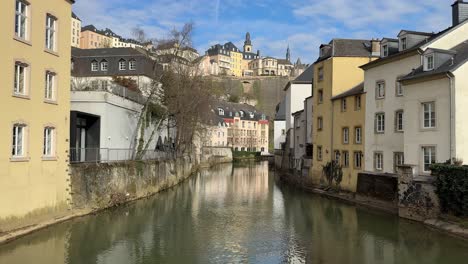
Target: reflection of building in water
(250, 182)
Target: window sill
(357, 143)
(399, 131)
(380, 133)
(49, 158)
(51, 52)
(52, 102)
(19, 159)
(24, 41)
(379, 98)
(22, 96)
(429, 129)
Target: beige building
(92, 38)
(75, 31)
(35, 109)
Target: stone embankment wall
(102, 185)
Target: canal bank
(236, 213)
(98, 186)
(441, 225)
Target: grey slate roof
(348, 48)
(416, 32)
(75, 16)
(284, 62)
(460, 58)
(281, 111)
(358, 89)
(306, 77)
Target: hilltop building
(75, 31)
(93, 38)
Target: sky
(273, 24)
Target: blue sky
(273, 24)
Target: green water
(236, 214)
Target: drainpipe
(452, 115)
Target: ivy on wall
(452, 188)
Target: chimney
(459, 12)
(375, 47)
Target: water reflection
(236, 214)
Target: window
(21, 19)
(358, 135)
(18, 148)
(429, 117)
(49, 141)
(319, 123)
(429, 157)
(320, 96)
(94, 66)
(132, 65)
(380, 123)
(345, 159)
(49, 86)
(398, 88)
(104, 65)
(319, 153)
(21, 70)
(380, 90)
(404, 44)
(398, 160)
(283, 132)
(378, 161)
(429, 62)
(357, 159)
(385, 50)
(220, 111)
(343, 105)
(399, 121)
(51, 23)
(357, 102)
(337, 157)
(345, 135)
(122, 65)
(320, 74)
(241, 113)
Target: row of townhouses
(227, 59)
(372, 105)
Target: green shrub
(452, 188)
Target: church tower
(288, 54)
(247, 43)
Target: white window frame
(51, 32)
(21, 19)
(319, 123)
(358, 159)
(132, 65)
(431, 118)
(398, 88)
(345, 135)
(399, 121)
(404, 43)
(94, 66)
(49, 142)
(104, 65)
(343, 105)
(220, 111)
(358, 135)
(385, 50)
(380, 123)
(122, 65)
(398, 159)
(357, 102)
(50, 82)
(18, 141)
(21, 79)
(380, 90)
(430, 60)
(378, 161)
(431, 154)
(345, 160)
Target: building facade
(280, 125)
(336, 72)
(93, 38)
(35, 107)
(75, 31)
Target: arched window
(241, 113)
(122, 65)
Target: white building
(296, 92)
(390, 112)
(280, 125)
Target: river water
(236, 214)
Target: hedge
(452, 188)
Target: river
(236, 214)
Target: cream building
(75, 31)
(387, 144)
(35, 109)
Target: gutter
(452, 115)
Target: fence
(105, 155)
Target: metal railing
(112, 88)
(106, 155)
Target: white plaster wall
(299, 136)
(461, 112)
(450, 39)
(390, 141)
(119, 118)
(279, 138)
(309, 119)
(295, 96)
(415, 136)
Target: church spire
(288, 54)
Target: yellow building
(34, 109)
(336, 71)
(236, 63)
(348, 134)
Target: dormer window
(385, 50)
(404, 43)
(429, 62)
(251, 115)
(220, 111)
(241, 113)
